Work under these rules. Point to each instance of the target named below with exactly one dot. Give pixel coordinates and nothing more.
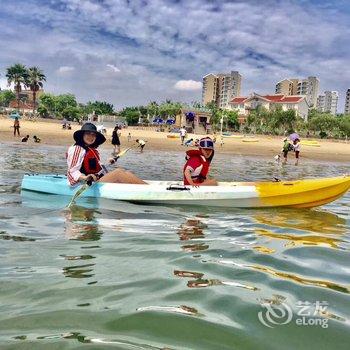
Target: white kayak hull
(297, 194)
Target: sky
(131, 52)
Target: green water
(124, 276)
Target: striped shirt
(75, 158)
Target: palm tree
(17, 74)
(34, 81)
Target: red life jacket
(197, 154)
(91, 162)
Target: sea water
(108, 274)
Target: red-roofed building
(245, 104)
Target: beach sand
(51, 133)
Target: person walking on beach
(287, 146)
(198, 162)
(129, 137)
(116, 140)
(83, 160)
(183, 134)
(16, 127)
(296, 146)
(141, 144)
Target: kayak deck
(296, 194)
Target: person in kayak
(83, 160)
(198, 162)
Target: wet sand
(51, 133)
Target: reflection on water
(155, 277)
(81, 224)
(192, 229)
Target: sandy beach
(51, 133)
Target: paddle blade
(77, 194)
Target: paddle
(89, 180)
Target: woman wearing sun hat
(83, 160)
(198, 162)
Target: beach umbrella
(14, 115)
(294, 136)
(190, 116)
(170, 121)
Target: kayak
(295, 194)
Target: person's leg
(209, 182)
(120, 175)
(296, 157)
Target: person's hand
(90, 177)
(112, 160)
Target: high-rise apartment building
(209, 88)
(321, 103)
(221, 88)
(347, 102)
(328, 102)
(308, 87)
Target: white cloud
(188, 85)
(3, 84)
(114, 68)
(156, 45)
(65, 69)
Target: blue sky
(129, 52)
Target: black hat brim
(78, 137)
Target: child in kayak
(198, 162)
(83, 160)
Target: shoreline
(51, 133)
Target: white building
(328, 102)
(347, 102)
(221, 88)
(245, 104)
(306, 87)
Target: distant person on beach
(116, 140)
(296, 146)
(183, 134)
(83, 160)
(141, 144)
(198, 162)
(36, 139)
(287, 147)
(16, 127)
(189, 143)
(129, 137)
(25, 139)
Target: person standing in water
(116, 140)
(141, 144)
(198, 162)
(83, 160)
(16, 127)
(296, 145)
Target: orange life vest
(91, 162)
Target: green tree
(17, 74)
(47, 104)
(64, 101)
(232, 120)
(215, 112)
(131, 115)
(325, 124)
(71, 113)
(99, 107)
(153, 109)
(34, 80)
(6, 96)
